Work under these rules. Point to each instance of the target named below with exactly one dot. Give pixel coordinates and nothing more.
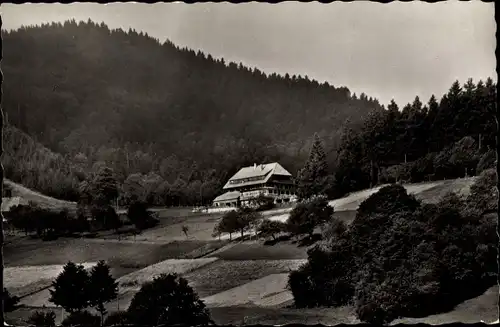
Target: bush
(441, 163)
(139, 215)
(397, 173)
(48, 224)
(168, 300)
(325, 280)
(483, 197)
(262, 203)
(487, 161)
(464, 156)
(309, 214)
(45, 319)
(106, 217)
(334, 229)
(422, 168)
(401, 258)
(388, 200)
(79, 225)
(81, 318)
(10, 301)
(271, 228)
(457, 159)
(117, 318)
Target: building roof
(232, 195)
(9, 203)
(256, 174)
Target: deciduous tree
(168, 300)
(309, 214)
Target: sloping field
(123, 257)
(207, 276)
(223, 275)
(129, 284)
(182, 212)
(26, 280)
(429, 192)
(200, 229)
(267, 291)
(21, 315)
(169, 266)
(38, 300)
(258, 251)
(252, 315)
(459, 186)
(483, 307)
(43, 201)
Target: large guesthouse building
(248, 183)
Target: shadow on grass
(307, 241)
(279, 239)
(444, 303)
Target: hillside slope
(429, 192)
(27, 162)
(40, 199)
(129, 100)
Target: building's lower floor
(246, 196)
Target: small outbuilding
(228, 199)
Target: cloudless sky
(395, 50)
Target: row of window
(273, 187)
(281, 192)
(245, 180)
(227, 204)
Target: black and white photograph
(211, 164)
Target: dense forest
(450, 138)
(99, 96)
(173, 123)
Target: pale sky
(395, 50)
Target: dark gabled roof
(232, 195)
(256, 174)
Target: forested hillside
(446, 138)
(98, 96)
(174, 123)
(35, 166)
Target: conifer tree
(104, 186)
(102, 287)
(311, 179)
(70, 288)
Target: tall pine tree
(103, 288)
(312, 178)
(69, 289)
